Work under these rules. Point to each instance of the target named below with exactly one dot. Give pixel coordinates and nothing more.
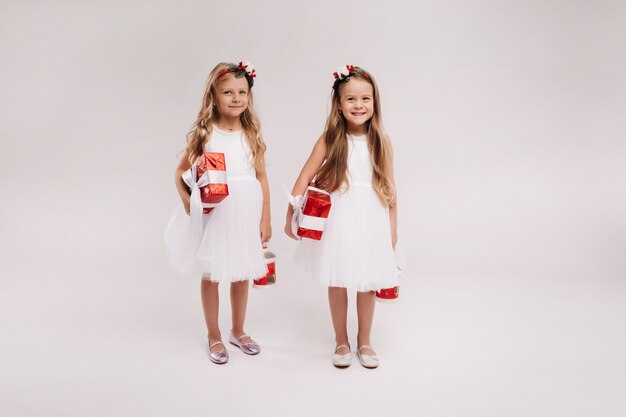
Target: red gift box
(315, 210)
(214, 165)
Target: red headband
(244, 69)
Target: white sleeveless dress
(355, 251)
(230, 246)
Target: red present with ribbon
(315, 210)
(388, 294)
(211, 179)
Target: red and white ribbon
(195, 202)
(301, 220)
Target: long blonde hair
(202, 128)
(334, 172)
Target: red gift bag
(388, 294)
(269, 280)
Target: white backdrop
(507, 124)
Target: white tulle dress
(228, 247)
(355, 250)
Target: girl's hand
(266, 230)
(287, 229)
(394, 238)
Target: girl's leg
(338, 301)
(365, 302)
(239, 303)
(209, 292)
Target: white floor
(84, 345)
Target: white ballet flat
(342, 361)
(367, 361)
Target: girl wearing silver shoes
(224, 245)
(353, 161)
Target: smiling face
(231, 98)
(356, 102)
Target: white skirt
(355, 251)
(229, 247)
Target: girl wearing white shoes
(353, 161)
(224, 245)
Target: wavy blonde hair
(334, 172)
(202, 128)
